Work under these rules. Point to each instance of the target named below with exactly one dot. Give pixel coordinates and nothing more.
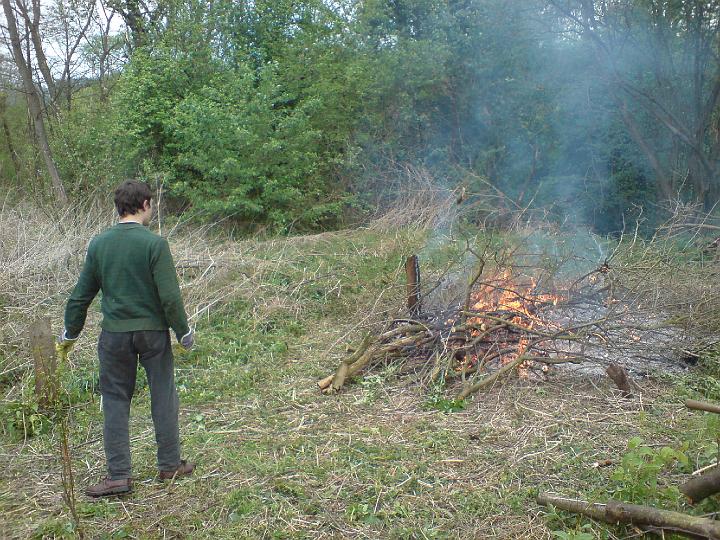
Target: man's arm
(82, 296)
(165, 278)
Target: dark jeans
(119, 353)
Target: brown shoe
(109, 487)
(185, 468)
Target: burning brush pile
(506, 320)
(502, 325)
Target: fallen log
(634, 514)
(593, 510)
(668, 520)
(702, 406)
(702, 487)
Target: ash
(620, 332)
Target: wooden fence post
(42, 346)
(412, 271)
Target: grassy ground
(384, 459)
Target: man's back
(134, 269)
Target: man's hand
(185, 344)
(64, 345)
(188, 340)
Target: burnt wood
(620, 378)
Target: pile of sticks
(457, 351)
(461, 344)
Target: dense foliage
(291, 114)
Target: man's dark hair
(130, 196)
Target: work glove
(64, 345)
(185, 344)
(188, 340)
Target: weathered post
(42, 347)
(412, 271)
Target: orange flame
(517, 302)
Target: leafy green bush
(260, 141)
(22, 419)
(637, 476)
(85, 140)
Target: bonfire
(501, 326)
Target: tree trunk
(685, 110)
(663, 177)
(131, 13)
(11, 147)
(700, 179)
(34, 103)
(34, 27)
(8, 138)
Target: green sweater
(134, 269)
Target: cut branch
(702, 406)
(619, 512)
(490, 379)
(344, 368)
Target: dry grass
(41, 255)
(419, 204)
(675, 274)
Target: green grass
(383, 459)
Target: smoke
(556, 118)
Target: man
(140, 300)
